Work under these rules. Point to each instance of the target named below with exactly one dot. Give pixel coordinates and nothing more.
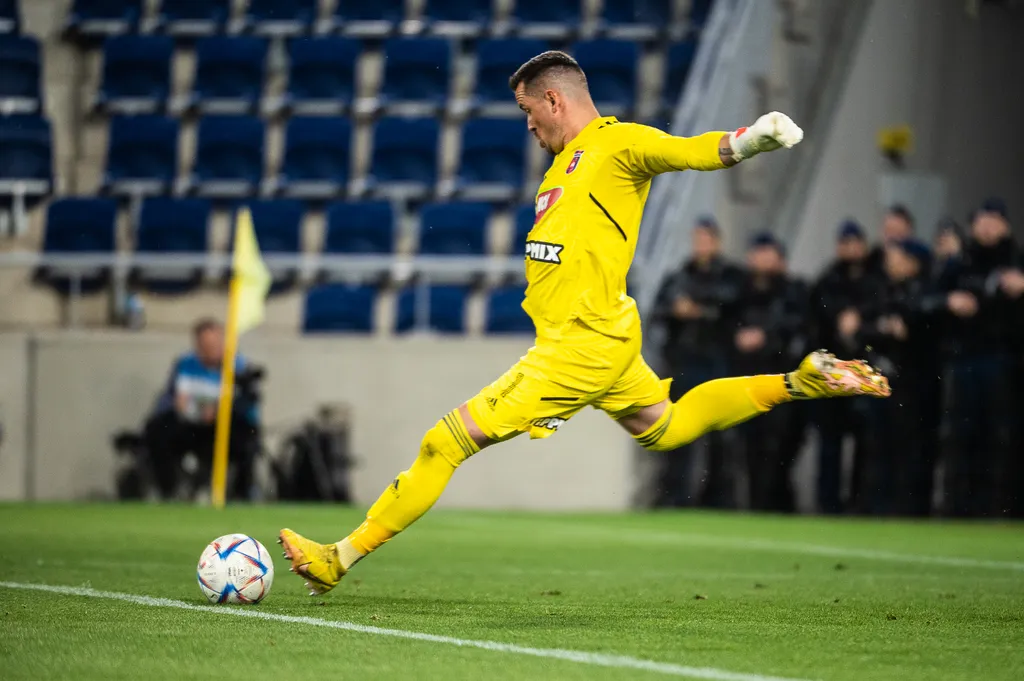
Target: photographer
(185, 417)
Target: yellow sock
(715, 405)
(414, 491)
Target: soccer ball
(235, 568)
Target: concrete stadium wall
(951, 78)
(87, 386)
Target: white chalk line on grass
(581, 657)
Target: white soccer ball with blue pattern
(235, 568)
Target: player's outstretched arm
(769, 132)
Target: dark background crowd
(944, 321)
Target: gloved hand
(768, 133)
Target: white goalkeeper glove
(768, 133)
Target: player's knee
(449, 440)
(670, 432)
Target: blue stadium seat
(493, 161)
(316, 157)
(104, 17)
(20, 69)
(10, 17)
(170, 226)
(278, 227)
(405, 154)
(523, 223)
(505, 314)
(321, 75)
(636, 19)
(454, 228)
(416, 70)
(229, 74)
(496, 61)
(437, 308)
(229, 156)
(193, 18)
(611, 68)
(142, 155)
(365, 227)
(339, 308)
(136, 74)
(457, 18)
(677, 67)
(274, 18)
(26, 150)
(78, 226)
(362, 19)
(547, 19)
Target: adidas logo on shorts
(542, 251)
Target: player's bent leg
(451, 441)
(727, 402)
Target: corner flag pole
(227, 397)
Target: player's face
(541, 118)
(210, 347)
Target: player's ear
(553, 99)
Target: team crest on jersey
(545, 201)
(574, 162)
(541, 251)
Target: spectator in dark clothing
(694, 305)
(768, 323)
(185, 417)
(948, 246)
(983, 308)
(836, 300)
(897, 325)
(897, 225)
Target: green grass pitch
(727, 597)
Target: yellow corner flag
(250, 281)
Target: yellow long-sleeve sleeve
(652, 152)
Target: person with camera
(185, 417)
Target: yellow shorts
(556, 379)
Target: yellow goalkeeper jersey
(587, 219)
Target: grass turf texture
(745, 594)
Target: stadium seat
(275, 18)
(457, 18)
(142, 155)
(523, 223)
(636, 19)
(229, 156)
(278, 227)
(10, 17)
(26, 150)
(78, 226)
(495, 61)
(546, 19)
(364, 227)
(677, 67)
(20, 69)
(171, 226)
(611, 68)
(229, 74)
(493, 161)
(136, 74)
(362, 19)
(505, 313)
(437, 308)
(339, 308)
(316, 157)
(405, 154)
(416, 72)
(321, 75)
(193, 18)
(454, 228)
(94, 18)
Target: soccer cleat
(821, 375)
(318, 564)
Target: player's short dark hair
(203, 325)
(545, 63)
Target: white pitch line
(581, 657)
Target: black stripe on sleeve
(609, 216)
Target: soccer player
(587, 351)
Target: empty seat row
(20, 71)
(230, 73)
(539, 18)
(229, 161)
(26, 156)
